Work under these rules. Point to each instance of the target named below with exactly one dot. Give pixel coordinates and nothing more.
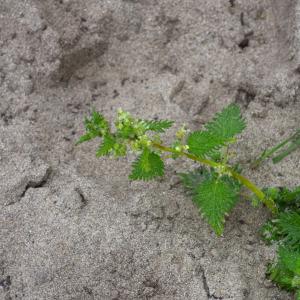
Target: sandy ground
(73, 226)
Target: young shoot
(217, 191)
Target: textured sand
(73, 226)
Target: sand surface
(73, 226)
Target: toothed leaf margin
(106, 146)
(215, 198)
(227, 123)
(219, 132)
(147, 166)
(203, 143)
(157, 126)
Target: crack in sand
(84, 200)
(206, 286)
(34, 184)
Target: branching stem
(246, 182)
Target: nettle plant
(215, 185)
(218, 184)
(283, 230)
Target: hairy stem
(246, 182)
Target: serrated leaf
(99, 119)
(290, 259)
(157, 126)
(270, 232)
(296, 282)
(106, 146)
(219, 132)
(202, 143)
(192, 179)
(215, 155)
(227, 123)
(215, 198)
(96, 126)
(281, 275)
(84, 138)
(289, 225)
(284, 198)
(286, 271)
(284, 229)
(147, 166)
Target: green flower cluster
(179, 144)
(131, 134)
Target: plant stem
(246, 182)
(257, 191)
(268, 153)
(294, 146)
(294, 139)
(188, 155)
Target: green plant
(219, 188)
(280, 151)
(284, 231)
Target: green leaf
(219, 132)
(227, 123)
(270, 232)
(284, 197)
(281, 275)
(215, 198)
(290, 259)
(84, 138)
(285, 231)
(289, 225)
(297, 295)
(98, 119)
(157, 126)
(202, 143)
(293, 146)
(147, 166)
(192, 179)
(106, 146)
(96, 126)
(286, 272)
(296, 282)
